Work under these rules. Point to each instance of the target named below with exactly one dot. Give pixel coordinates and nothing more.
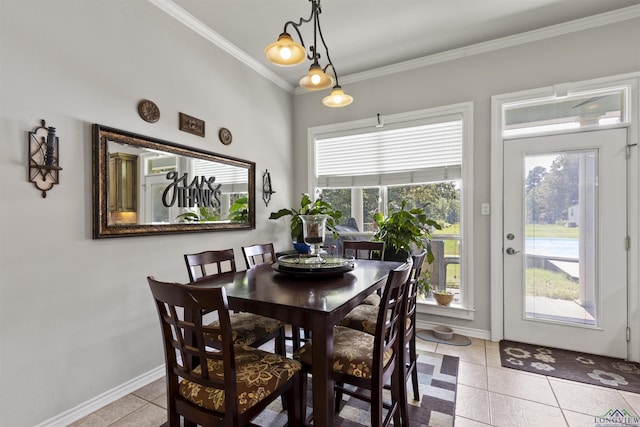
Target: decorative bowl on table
(311, 265)
(301, 247)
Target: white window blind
(234, 179)
(416, 154)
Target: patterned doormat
(438, 378)
(570, 365)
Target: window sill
(455, 311)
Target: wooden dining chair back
(367, 361)
(209, 263)
(249, 329)
(223, 393)
(363, 249)
(411, 301)
(259, 254)
(265, 254)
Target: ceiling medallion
(149, 111)
(225, 136)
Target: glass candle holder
(313, 231)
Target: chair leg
(295, 337)
(302, 391)
(280, 345)
(338, 397)
(413, 360)
(294, 407)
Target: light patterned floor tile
(517, 384)
(493, 356)
(473, 375)
(512, 411)
(153, 390)
(111, 413)
(465, 422)
(472, 403)
(149, 415)
(587, 399)
(575, 419)
(471, 353)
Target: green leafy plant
(309, 207)
(239, 210)
(203, 215)
(404, 230)
(423, 282)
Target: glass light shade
(285, 51)
(316, 79)
(337, 98)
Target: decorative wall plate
(149, 111)
(225, 136)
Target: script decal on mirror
(192, 195)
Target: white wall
(76, 316)
(588, 54)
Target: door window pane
(560, 227)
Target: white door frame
(496, 235)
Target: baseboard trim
(104, 399)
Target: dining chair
(364, 318)
(226, 392)
(259, 254)
(248, 328)
(367, 361)
(265, 253)
(365, 249)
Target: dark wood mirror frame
(103, 187)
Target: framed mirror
(144, 186)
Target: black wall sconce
(43, 158)
(267, 190)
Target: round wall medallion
(149, 111)
(225, 136)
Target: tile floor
(487, 395)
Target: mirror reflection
(147, 186)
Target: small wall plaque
(191, 125)
(149, 111)
(225, 136)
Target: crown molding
(182, 16)
(185, 18)
(568, 27)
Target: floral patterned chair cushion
(372, 299)
(258, 374)
(362, 318)
(352, 352)
(247, 328)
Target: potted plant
(239, 210)
(423, 284)
(443, 297)
(309, 207)
(404, 230)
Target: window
(571, 112)
(422, 157)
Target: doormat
(428, 335)
(570, 365)
(438, 378)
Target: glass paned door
(560, 236)
(564, 241)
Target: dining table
(314, 302)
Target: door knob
(512, 251)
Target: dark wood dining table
(316, 303)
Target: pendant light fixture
(287, 52)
